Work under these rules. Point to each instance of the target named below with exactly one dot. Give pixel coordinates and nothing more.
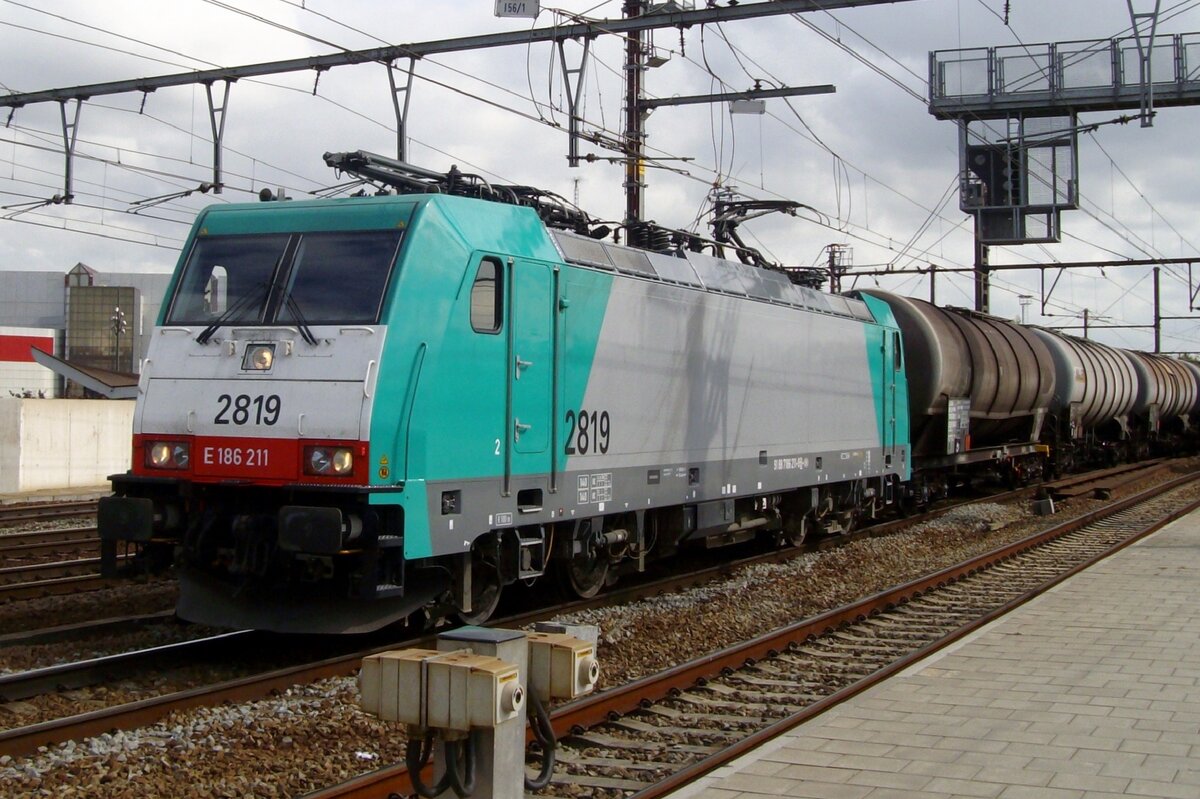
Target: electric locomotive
(355, 410)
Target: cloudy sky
(876, 171)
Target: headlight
(335, 461)
(258, 357)
(168, 454)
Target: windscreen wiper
(233, 310)
(301, 323)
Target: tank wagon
(994, 398)
(1194, 368)
(1167, 391)
(1096, 387)
(355, 410)
(979, 391)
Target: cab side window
(487, 298)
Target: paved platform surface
(1091, 691)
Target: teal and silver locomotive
(354, 410)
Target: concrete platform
(1091, 691)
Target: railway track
(36, 572)
(41, 511)
(24, 740)
(1102, 483)
(48, 562)
(52, 579)
(36, 543)
(70, 632)
(69, 676)
(654, 735)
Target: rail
(39, 511)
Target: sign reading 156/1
(517, 8)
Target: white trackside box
(425, 688)
(561, 666)
(391, 684)
(466, 691)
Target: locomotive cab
(251, 443)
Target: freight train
(359, 410)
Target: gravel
(645, 637)
(38, 525)
(276, 747)
(122, 599)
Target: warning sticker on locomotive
(594, 488)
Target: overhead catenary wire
(470, 95)
(721, 169)
(1111, 227)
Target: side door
(531, 366)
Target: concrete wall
(56, 443)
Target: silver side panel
(694, 377)
(708, 396)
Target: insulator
(661, 240)
(649, 236)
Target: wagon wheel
(485, 592)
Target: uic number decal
(243, 408)
(236, 456)
(587, 432)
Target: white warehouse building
(94, 321)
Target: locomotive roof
(705, 272)
(697, 270)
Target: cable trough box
(456, 690)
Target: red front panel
(269, 461)
(248, 458)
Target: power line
(107, 32)
(720, 169)
(387, 54)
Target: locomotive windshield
(311, 278)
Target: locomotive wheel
(910, 504)
(795, 533)
(583, 576)
(485, 593)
